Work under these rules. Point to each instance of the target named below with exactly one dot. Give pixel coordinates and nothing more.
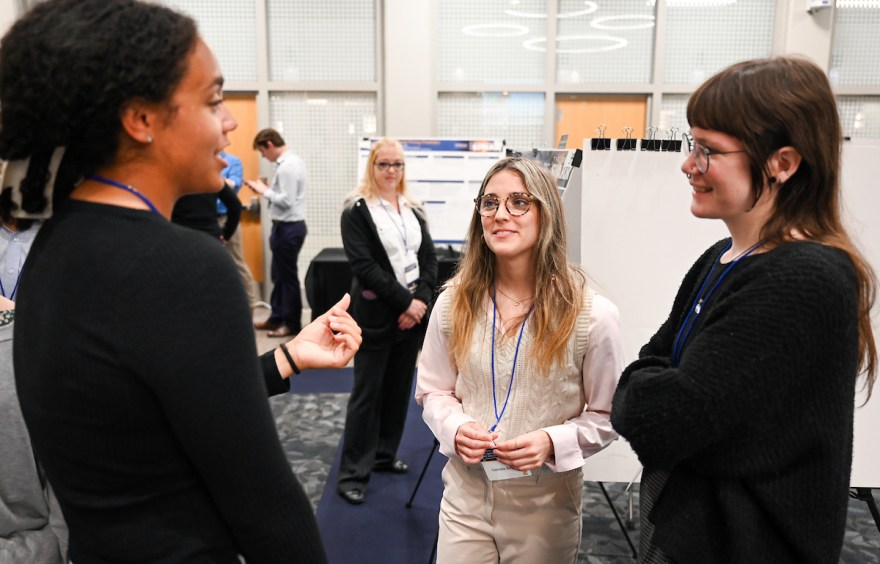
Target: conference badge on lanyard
(411, 271)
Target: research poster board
(635, 217)
(444, 174)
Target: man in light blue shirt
(16, 238)
(287, 209)
(233, 176)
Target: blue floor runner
(383, 529)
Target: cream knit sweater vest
(540, 397)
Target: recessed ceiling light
(495, 30)
(590, 8)
(641, 22)
(537, 43)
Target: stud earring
(149, 138)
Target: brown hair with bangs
(787, 102)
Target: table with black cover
(329, 277)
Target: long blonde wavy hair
(559, 285)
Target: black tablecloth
(329, 276)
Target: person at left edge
(392, 258)
(135, 360)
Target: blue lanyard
(688, 325)
(125, 187)
(3, 290)
(401, 229)
(498, 416)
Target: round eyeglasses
(384, 166)
(517, 203)
(701, 154)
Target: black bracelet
(289, 358)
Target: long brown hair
(559, 285)
(787, 101)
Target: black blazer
(371, 270)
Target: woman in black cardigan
(741, 405)
(392, 258)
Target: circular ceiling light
(590, 8)
(495, 30)
(536, 44)
(641, 22)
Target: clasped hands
(525, 452)
(413, 314)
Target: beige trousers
(529, 520)
(234, 246)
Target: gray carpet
(310, 427)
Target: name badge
(411, 274)
(496, 471)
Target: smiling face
(510, 237)
(388, 180)
(724, 191)
(191, 135)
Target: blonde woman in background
(394, 269)
(521, 357)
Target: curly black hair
(68, 67)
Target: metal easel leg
(635, 554)
(409, 503)
(864, 494)
(422, 475)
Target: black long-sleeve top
(372, 271)
(199, 211)
(755, 424)
(139, 381)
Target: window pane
(310, 124)
(230, 28)
(612, 44)
(703, 39)
(492, 41)
(855, 47)
(517, 117)
(316, 40)
(860, 116)
(673, 113)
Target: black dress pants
(383, 377)
(286, 241)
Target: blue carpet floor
(382, 529)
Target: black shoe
(353, 496)
(396, 467)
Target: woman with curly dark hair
(135, 361)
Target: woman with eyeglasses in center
(741, 405)
(518, 369)
(394, 268)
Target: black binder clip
(651, 144)
(627, 143)
(673, 142)
(601, 143)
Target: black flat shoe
(353, 496)
(396, 467)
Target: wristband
(289, 358)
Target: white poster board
(861, 204)
(635, 214)
(445, 175)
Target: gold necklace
(516, 301)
